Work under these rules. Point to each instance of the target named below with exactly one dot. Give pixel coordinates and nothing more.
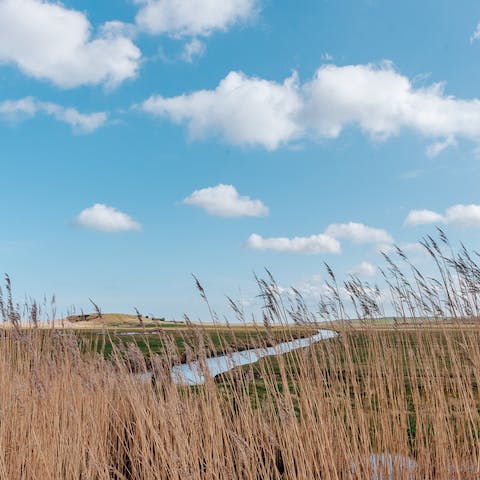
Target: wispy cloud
(363, 269)
(475, 34)
(28, 107)
(438, 147)
(193, 50)
(411, 174)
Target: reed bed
(396, 401)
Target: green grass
(217, 339)
(356, 349)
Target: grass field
(313, 413)
(107, 332)
(385, 399)
(184, 342)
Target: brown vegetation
(402, 403)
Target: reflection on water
(194, 373)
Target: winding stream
(194, 373)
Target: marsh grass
(392, 401)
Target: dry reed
(399, 401)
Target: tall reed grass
(399, 401)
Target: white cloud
(28, 107)
(48, 41)
(377, 99)
(244, 110)
(358, 233)
(326, 242)
(423, 217)
(115, 28)
(475, 34)
(310, 245)
(225, 201)
(463, 215)
(193, 49)
(79, 122)
(436, 148)
(192, 17)
(381, 102)
(106, 219)
(18, 109)
(364, 269)
(313, 288)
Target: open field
(320, 412)
(110, 332)
(384, 399)
(405, 324)
(188, 340)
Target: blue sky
(219, 137)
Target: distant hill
(121, 320)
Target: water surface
(194, 373)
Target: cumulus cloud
(463, 215)
(381, 102)
(28, 107)
(225, 201)
(311, 245)
(244, 110)
(423, 217)
(180, 18)
(48, 41)
(193, 50)
(326, 242)
(358, 233)
(106, 219)
(364, 269)
(375, 98)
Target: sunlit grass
(379, 398)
